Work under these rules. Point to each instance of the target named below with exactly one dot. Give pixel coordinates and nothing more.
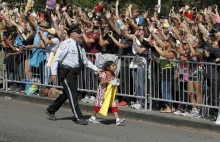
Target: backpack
(54, 93)
(44, 91)
(31, 89)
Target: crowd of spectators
(186, 34)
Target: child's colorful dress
(101, 92)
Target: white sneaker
(138, 106)
(95, 121)
(92, 100)
(120, 121)
(85, 100)
(218, 120)
(132, 106)
(194, 114)
(185, 113)
(178, 112)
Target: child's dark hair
(107, 65)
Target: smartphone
(122, 16)
(96, 27)
(42, 16)
(214, 6)
(33, 14)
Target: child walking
(108, 75)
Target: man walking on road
(68, 62)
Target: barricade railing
(189, 83)
(131, 70)
(19, 70)
(141, 80)
(2, 69)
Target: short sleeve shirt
(93, 47)
(36, 38)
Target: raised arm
(56, 27)
(161, 43)
(112, 24)
(116, 10)
(33, 22)
(139, 49)
(168, 55)
(120, 45)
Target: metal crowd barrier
(19, 71)
(131, 70)
(189, 83)
(2, 69)
(141, 80)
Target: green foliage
(140, 4)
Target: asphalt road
(25, 122)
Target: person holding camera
(91, 39)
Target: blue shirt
(42, 56)
(37, 38)
(18, 41)
(139, 20)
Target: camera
(123, 16)
(201, 11)
(215, 6)
(96, 27)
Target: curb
(149, 116)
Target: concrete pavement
(24, 122)
(127, 112)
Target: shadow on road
(73, 118)
(102, 121)
(109, 122)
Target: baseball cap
(74, 28)
(51, 31)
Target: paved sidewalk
(127, 112)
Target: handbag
(54, 93)
(44, 91)
(31, 89)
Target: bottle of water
(149, 53)
(8, 98)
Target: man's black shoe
(51, 116)
(74, 119)
(81, 122)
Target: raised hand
(151, 28)
(54, 17)
(64, 8)
(145, 14)
(110, 33)
(108, 15)
(57, 7)
(130, 6)
(117, 3)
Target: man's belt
(75, 70)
